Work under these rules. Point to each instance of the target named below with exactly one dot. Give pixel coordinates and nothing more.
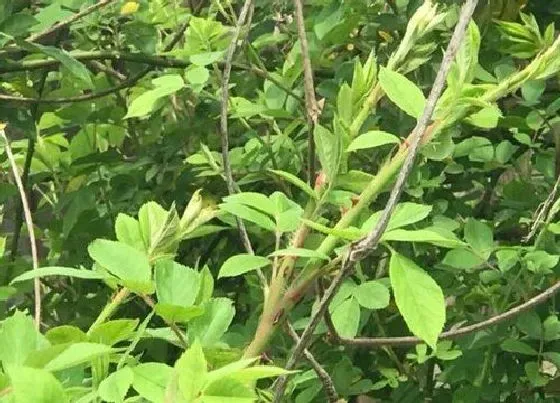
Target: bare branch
(365, 246)
(69, 20)
(312, 111)
(323, 375)
(29, 223)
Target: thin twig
(543, 211)
(231, 186)
(365, 246)
(69, 20)
(323, 375)
(107, 70)
(29, 223)
(312, 110)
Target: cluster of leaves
(123, 113)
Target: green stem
(281, 307)
(110, 308)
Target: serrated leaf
(419, 298)
(403, 92)
(123, 261)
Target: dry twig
(323, 375)
(69, 20)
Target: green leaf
(534, 375)
(176, 284)
(206, 58)
(197, 75)
(329, 151)
(128, 231)
(418, 297)
(433, 235)
(176, 313)
(35, 385)
(228, 390)
(19, 339)
(405, 214)
(517, 346)
(74, 67)
(58, 271)
(123, 261)
(462, 258)
(229, 369)
(480, 237)
(403, 92)
(371, 139)
(372, 295)
(300, 252)
(148, 101)
(151, 379)
(346, 318)
(191, 369)
(113, 331)
(486, 118)
(206, 286)
(240, 264)
(210, 327)
(77, 354)
(65, 334)
(248, 214)
(115, 387)
(255, 200)
(350, 234)
(294, 180)
(507, 258)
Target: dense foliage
(188, 221)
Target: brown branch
(29, 223)
(96, 65)
(323, 375)
(312, 110)
(69, 20)
(360, 249)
